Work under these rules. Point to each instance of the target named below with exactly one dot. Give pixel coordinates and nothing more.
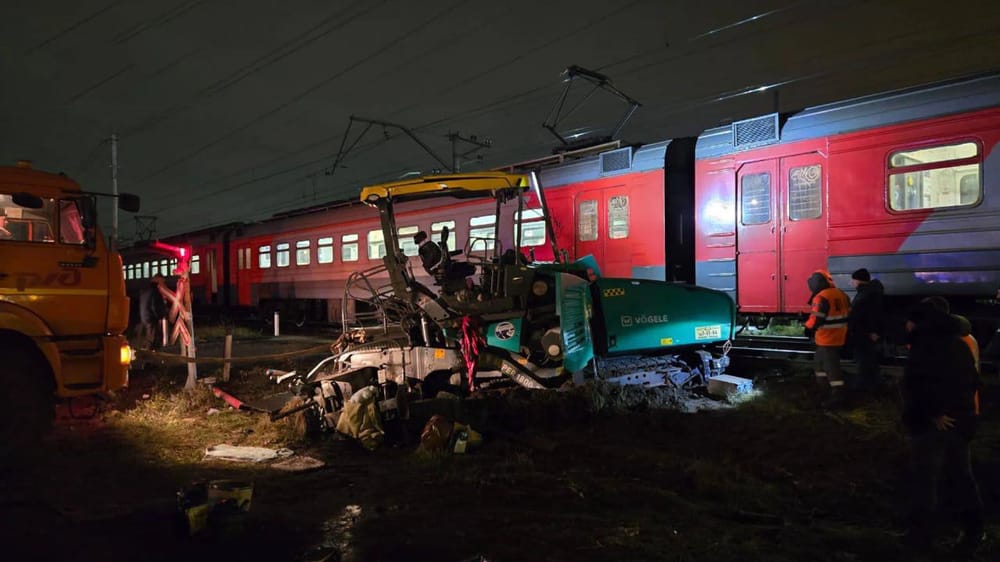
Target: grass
(175, 426)
(219, 331)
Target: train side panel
(932, 230)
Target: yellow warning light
(24, 164)
(126, 354)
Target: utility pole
(114, 191)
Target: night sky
(234, 110)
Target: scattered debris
(440, 435)
(245, 454)
(212, 411)
(216, 505)
(299, 464)
(725, 386)
(360, 419)
(435, 435)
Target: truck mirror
(128, 202)
(28, 201)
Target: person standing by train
(865, 329)
(152, 309)
(939, 387)
(827, 325)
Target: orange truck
(63, 307)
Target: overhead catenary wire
(675, 106)
(386, 46)
(496, 103)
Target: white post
(227, 355)
(163, 330)
(277, 329)
(192, 353)
(114, 191)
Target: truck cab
(63, 307)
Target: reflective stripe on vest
(833, 330)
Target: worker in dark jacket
(431, 255)
(151, 310)
(865, 328)
(827, 325)
(939, 385)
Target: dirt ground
(557, 478)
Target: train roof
(610, 163)
(900, 106)
(474, 184)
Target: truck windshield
(20, 224)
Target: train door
(757, 287)
(603, 226)
(213, 279)
(781, 232)
(243, 267)
(803, 229)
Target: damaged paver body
(513, 321)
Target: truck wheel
(27, 407)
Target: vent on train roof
(616, 160)
(749, 133)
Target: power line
(394, 42)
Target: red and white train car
(904, 184)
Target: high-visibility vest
(974, 348)
(828, 317)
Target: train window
(349, 247)
(239, 259)
(618, 217)
(281, 255)
(246, 258)
(586, 221)
(935, 177)
(129, 272)
(302, 252)
(482, 238)
(164, 268)
(805, 192)
(154, 269)
(324, 250)
(532, 228)
(376, 244)
(145, 269)
(756, 198)
(195, 265)
(406, 240)
(438, 227)
(173, 265)
(264, 257)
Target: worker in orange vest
(827, 325)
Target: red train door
(243, 267)
(781, 232)
(803, 230)
(603, 229)
(757, 268)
